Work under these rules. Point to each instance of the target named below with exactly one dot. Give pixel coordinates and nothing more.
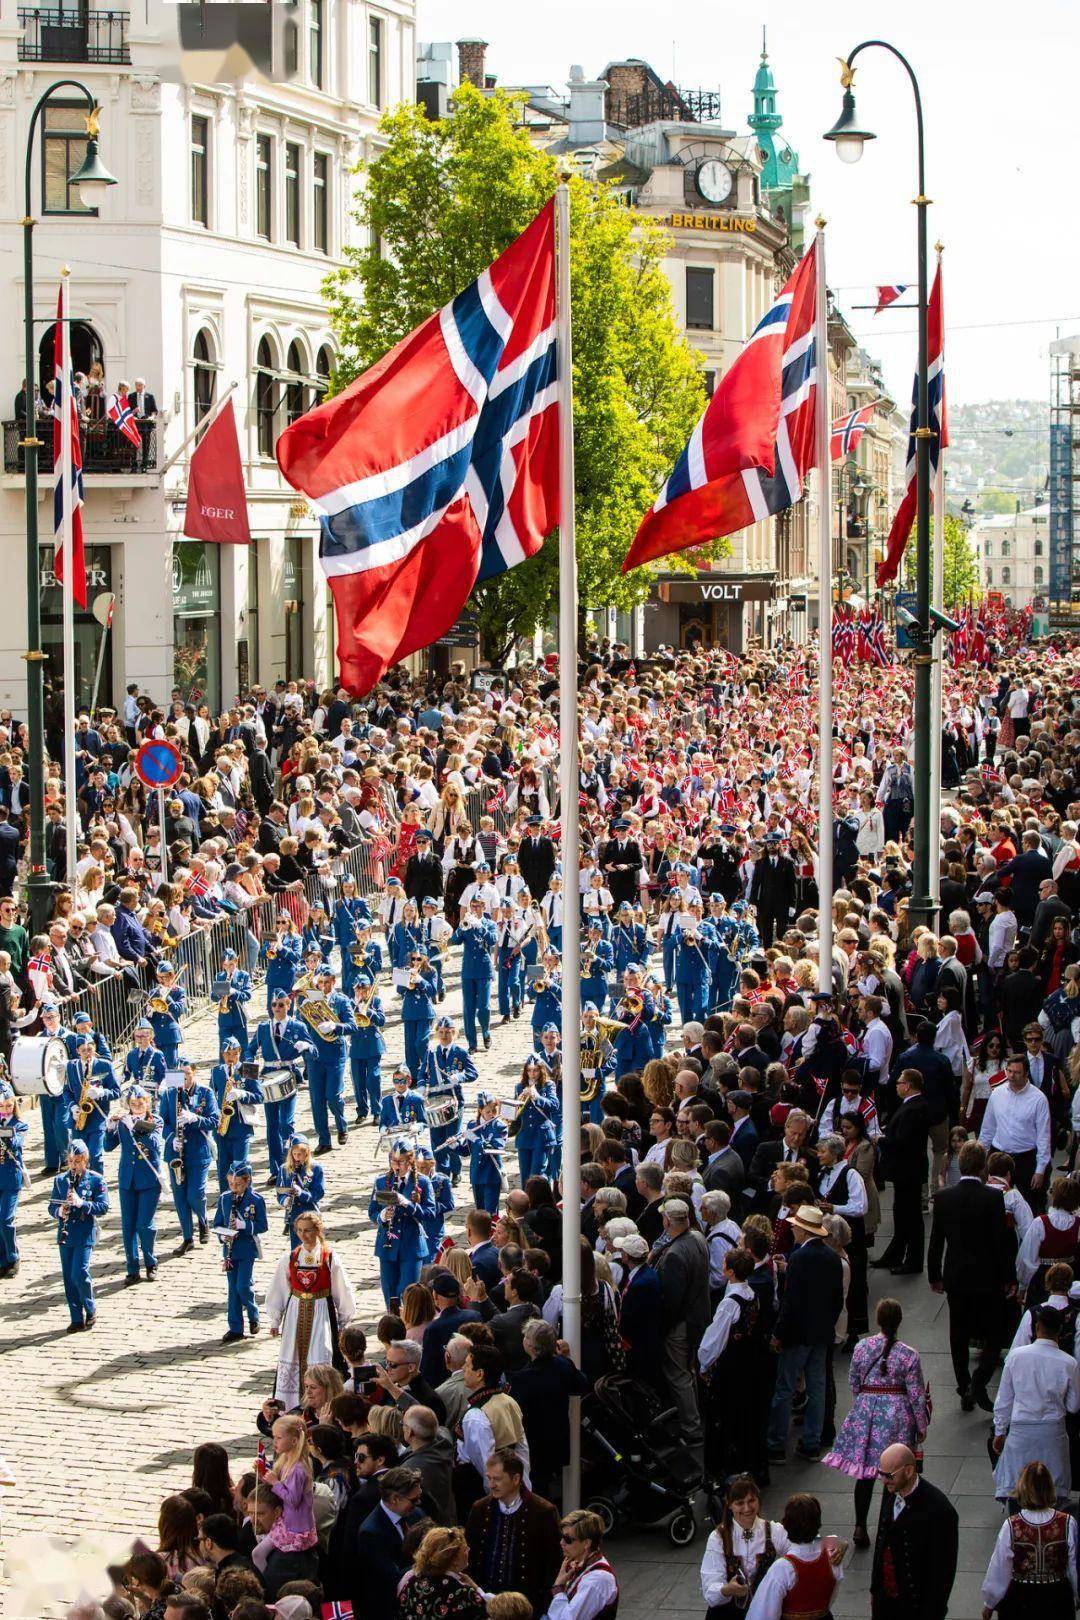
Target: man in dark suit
(744, 1136)
(423, 872)
(748, 1054)
(917, 1544)
(1027, 871)
(790, 1149)
(641, 1310)
(1050, 905)
(479, 1225)
(620, 862)
(904, 1164)
(437, 1335)
(379, 1563)
(804, 1332)
(262, 777)
(272, 830)
(537, 859)
(543, 1389)
(772, 889)
(725, 1168)
(522, 1293)
(683, 1267)
(375, 1453)
(9, 853)
(972, 1260)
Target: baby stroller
(635, 1469)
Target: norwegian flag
(889, 295)
(497, 800)
(340, 1609)
(439, 467)
(197, 886)
(40, 971)
(751, 450)
(122, 417)
(69, 501)
(939, 430)
(879, 646)
(848, 430)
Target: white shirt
(950, 1041)
(478, 1442)
(1039, 1384)
(877, 1047)
(856, 1186)
(747, 1548)
(1016, 1205)
(999, 1570)
(1016, 1122)
(1002, 937)
(726, 1235)
(715, 1338)
(768, 1601)
(1027, 1259)
(592, 1593)
(1056, 1302)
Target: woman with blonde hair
(457, 1262)
(388, 1421)
(291, 1480)
(440, 1587)
(417, 1310)
(658, 1080)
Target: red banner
(216, 500)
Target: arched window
(265, 397)
(1038, 548)
(1006, 548)
(1006, 576)
(1038, 576)
(87, 350)
(989, 577)
(295, 392)
(324, 369)
(204, 373)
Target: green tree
(441, 201)
(961, 573)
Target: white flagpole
(71, 817)
(825, 662)
(569, 781)
(937, 671)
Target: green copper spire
(780, 163)
(765, 115)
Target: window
(320, 208)
(264, 170)
(1038, 548)
(292, 193)
(315, 42)
(204, 383)
(375, 52)
(699, 298)
(295, 392)
(1006, 576)
(1006, 549)
(1038, 576)
(63, 152)
(989, 577)
(292, 47)
(200, 170)
(265, 397)
(324, 367)
(710, 383)
(247, 648)
(293, 591)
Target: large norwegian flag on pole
(749, 454)
(902, 523)
(439, 467)
(66, 419)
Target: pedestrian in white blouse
(741, 1548)
(585, 1587)
(1017, 1122)
(1053, 1547)
(1040, 1385)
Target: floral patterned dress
(888, 1407)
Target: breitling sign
(727, 223)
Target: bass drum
(38, 1065)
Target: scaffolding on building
(1064, 593)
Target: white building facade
(1013, 551)
(203, 269)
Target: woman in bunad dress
(308, 1302)
(739, 1551)
(1032, 1570)
(888, 1408)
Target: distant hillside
(997, 452)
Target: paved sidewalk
(100, 1426)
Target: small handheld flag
(889, 295)
(122, 417)
(341, 1609)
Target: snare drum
(278, 1085)
(442, 1111)
(38, 1065)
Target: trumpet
(361, 1005)
(158, 1004)
(271, 950)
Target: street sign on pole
(158, 764)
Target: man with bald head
(916, 1548)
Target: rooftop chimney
(471, 54)
(587, 125)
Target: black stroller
(635, 1469)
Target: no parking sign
(158, 764)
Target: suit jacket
(262, 782)
(813, 1295)
(640, 1323)
(507, 1327)
(922, 1543)
(905, 1141)
(539, 1553)
(726, 1173)
(542, 1389)
(1027, 870)
(379, 1564)
(536, 862)
(626, 1181)
(972, 1249)
(623, 885)
(268, 841)
(437, 1336)
(767, 1155)
(1045, 912)
(772, 888)
(744, 1141)
(683, 1268)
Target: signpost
(158, 765)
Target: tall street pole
(849, 137)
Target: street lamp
(849, 137)
(92, 179)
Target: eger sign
(713, 222)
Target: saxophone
(85, 1106)
(228, 1107)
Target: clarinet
(176, 1165)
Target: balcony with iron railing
(104, 450)
(73, 34)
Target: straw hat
(809, 1218)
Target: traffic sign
(158, 764)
